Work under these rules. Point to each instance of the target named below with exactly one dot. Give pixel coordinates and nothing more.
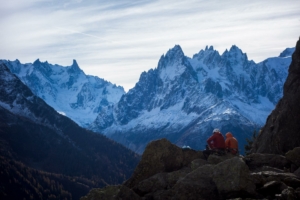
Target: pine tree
(248, 146)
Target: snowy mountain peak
(175, 52)
(74, 68)
(208, 53)
(173, 59)
(235, 56)
(37, 62)
(287, 52)
(17, 61)
(234, 50)
(211, 48)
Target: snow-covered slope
(67, 89)
(184, 98)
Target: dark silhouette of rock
(161, 156)
(288, 194)
(281, 132)
(215, 159)
(232, 178)
(271, 188)
(297, 172)
(198, 163)
(294, 156)
(257, 160)
(169, 172)
(196, 185)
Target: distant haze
(118, 40)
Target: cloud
(117, 40)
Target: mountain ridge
(67, 89)
(187, 97)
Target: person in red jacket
(231, 144)
(216, 143)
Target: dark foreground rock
(169, 172)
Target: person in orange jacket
(231, 144)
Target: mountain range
(44, 154)
(183, 99)
(67, 89)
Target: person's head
(228, 135)
(216, 130)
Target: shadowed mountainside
(33, 133)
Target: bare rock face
(196, 185)
(294, 156)
(281, 132)
(232, 178)
(161, 156)
(257, 160)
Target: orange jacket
(231, 142)
(216, 141)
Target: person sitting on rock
(216, 144)
(231, 144)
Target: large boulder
(196, 185)
(288, 194)
(272, 188)
(161, 156)
(232, 178)
(294, 156)
(297, 172)
(161, 181)
(263, 177)
(281, 132)
(215, 159)
(228, 179)
(198, 163)
(256, 161)
(152, 184)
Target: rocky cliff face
(281, 132)
(169, 172)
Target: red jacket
(216, 141)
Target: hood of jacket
(229, 135)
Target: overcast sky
(118, 40)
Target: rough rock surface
(281, 132)
(294, 156)
(258, 160)
(169, 172)
(161, 156)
